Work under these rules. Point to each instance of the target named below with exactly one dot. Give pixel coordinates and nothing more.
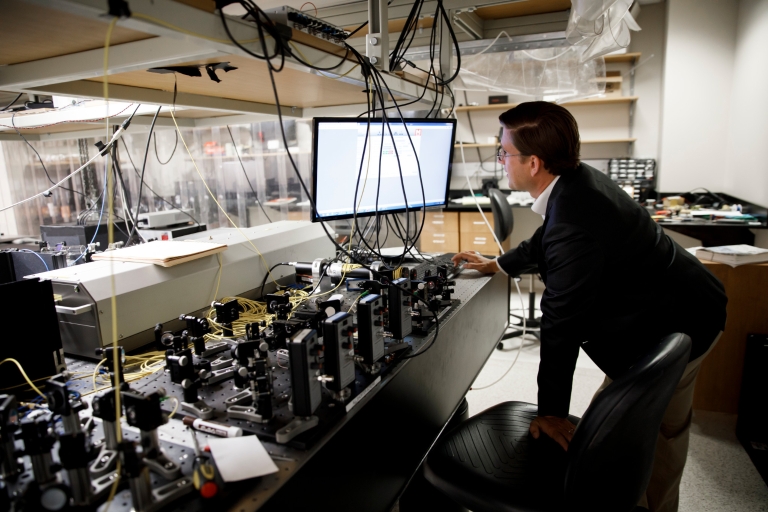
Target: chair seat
(491, 463)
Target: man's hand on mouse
(476, 262)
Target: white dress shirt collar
(540, 205)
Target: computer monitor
(338, 152)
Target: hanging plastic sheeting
(550, 74)
(600, 26)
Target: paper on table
(166, 253)
(240, 458)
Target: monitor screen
(340, 147)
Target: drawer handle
(438, 222)
(78, 310)
(438, 241)
(480, 238)
(439, 234)
(478, 222)
(438, 216)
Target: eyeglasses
(501, 155)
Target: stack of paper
(165, 253)
(733, 255)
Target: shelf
(596, 141)
(597, 101)
(624, 57)
(70, 62)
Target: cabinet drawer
(439, 242)
(480, 242)
(472, 222)
(441, 222)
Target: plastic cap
(209, 490)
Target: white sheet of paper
(240, 458)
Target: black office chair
(491, 463)
(503, 222)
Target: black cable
(431, 343)
(407, 28)
(246, 175)
(418, 166)
(11, 103)
(364, 65)
(442, 12)
(135, 170)
(267, 274)
(375, 76)
(356, 30)
(143, 170)
(275, 37)
(39, 158)
(175, 145)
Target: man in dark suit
(612, 279)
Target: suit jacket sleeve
(524, 258)
(574, 262)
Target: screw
(374, 41)
(374, 60)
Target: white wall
(698, 65)
(746, 164)
(648, 78)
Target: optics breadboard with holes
(287, 368)
(303, 22)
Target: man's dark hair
(546, 130)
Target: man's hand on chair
(476, 262)
(559, 429)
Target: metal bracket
(170, 492)
(105, 462)
(240, 398)
(199, 409)
(221, 362)
(377, 39)
(214, 348)
(220, 375)
(100, 487)
(239, 412)
(470, 23)
(164, 467)
(296, 427)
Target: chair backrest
(611, 455)
(503, 221)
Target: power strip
(303, 22)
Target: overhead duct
(600, 26)
(551, 74)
